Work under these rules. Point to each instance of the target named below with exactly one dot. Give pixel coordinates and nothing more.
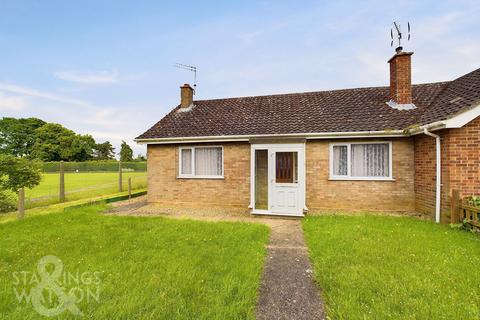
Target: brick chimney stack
(186, 96)
(401, 77)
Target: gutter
(323, 135)
(434, 126)
(438, 178)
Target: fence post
(129, 188)
(120, 184)
(62, 182)
(21, 203)
(455, 207)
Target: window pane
(370, 160)
(186, 155)
(261, 179)
(286, 167)
(208, 161)
(340, 160)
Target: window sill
(360, 179)
(202, 177)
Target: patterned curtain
(340, 160)
(186, 161)
(370, 160)
(208, 161)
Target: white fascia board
(324, 135)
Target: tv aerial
(396, 34)
(189, 68)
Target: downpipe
(438, 178)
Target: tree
(51, 141)
(55, 143)
(141, 157)
(17, 136)
(81, 148)
(104, 151)
(17, 173)
(126, 153)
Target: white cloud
(12, 103)
(102, 77)
(40, 94)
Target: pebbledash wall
(460, 167)
(322, 194)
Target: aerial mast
(396, 34)
(189, 68)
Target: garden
(132, 268)
(367, 266)
(377, 267)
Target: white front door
(286, 179)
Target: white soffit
(463, 118)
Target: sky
(106, 68)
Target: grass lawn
(81, 185)
(149, 267)
(372, 267)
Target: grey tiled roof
(348, 110)
(458, 95)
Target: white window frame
(349, 161)
(192, 175)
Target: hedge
(94, 166)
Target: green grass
(150, 267)
(81, 185)
(52, 208)
(372, 267)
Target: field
(81, 185)
(372, 267)
(144, 267)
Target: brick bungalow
(401, 148)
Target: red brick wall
(401, 78)
(464, 158)
(460, 167)
(425, 174)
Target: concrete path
(287, 289)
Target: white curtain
(340, 160)
(208, 161)
(186, 161)
(370, 160)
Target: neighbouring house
(401, 148)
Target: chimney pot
(186, 96)
(401, 77)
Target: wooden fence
(61, 189)
(462, 211)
